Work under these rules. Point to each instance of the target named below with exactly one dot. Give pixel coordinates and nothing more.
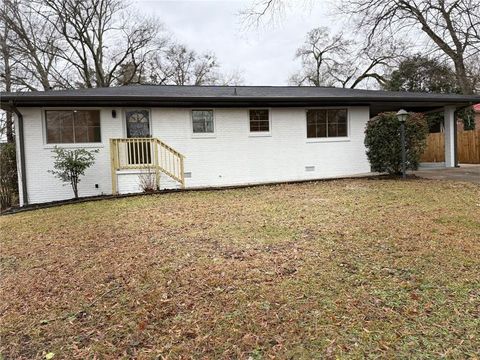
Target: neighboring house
(203, 136)
(476, 109)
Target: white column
(449, 123)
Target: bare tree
(270, 12)
(95, 43)
(319, 56)
(205, 70)
(231, 78)
(452, 25)
(178, 65)
(99, 37)
(32, 47)
(6, 119)
(266, 11)
(473, 67)
(172, 66)
(371, 62)
(337, 61)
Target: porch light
(402, 117)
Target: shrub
(8, 175)
(384, 149)
(148, 181)
(71, 164)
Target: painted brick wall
(231, 157)
(43, 186)
(234, 156)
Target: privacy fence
(468, 147)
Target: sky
(263, 55)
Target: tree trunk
(75, 187)
(9, 127)
(7, 79)
(462, 77)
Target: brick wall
(232, 156)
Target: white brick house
(227, 135)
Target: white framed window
(327, 123)
(203, 122)
(259, 121)
(72, 126)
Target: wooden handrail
(146, 153)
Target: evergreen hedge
(382, 139)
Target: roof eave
(42, 100)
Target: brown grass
(346, 269)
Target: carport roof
(236, 96)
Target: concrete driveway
(466, 172)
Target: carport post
(450, 143)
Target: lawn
(337, 269)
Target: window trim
(206, 135)
(47, 145)
(124, 119)
(328, 139)
(260, 133)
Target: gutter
(21, 144)
(227, 101)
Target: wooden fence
(468, 147)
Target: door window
(138, 123)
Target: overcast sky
(264, 56)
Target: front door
(138, 123)
(138, 126)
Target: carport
(466, 173)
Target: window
(259, 121)
(202, 121)
(326, 123)
(72, 126)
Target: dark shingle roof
(188, 96)
(187, 91)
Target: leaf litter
(338, 269)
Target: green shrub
(8, 176)
(382, 139)
(71, 164)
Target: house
(476, 110)
(203, 136)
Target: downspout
(21, 141)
